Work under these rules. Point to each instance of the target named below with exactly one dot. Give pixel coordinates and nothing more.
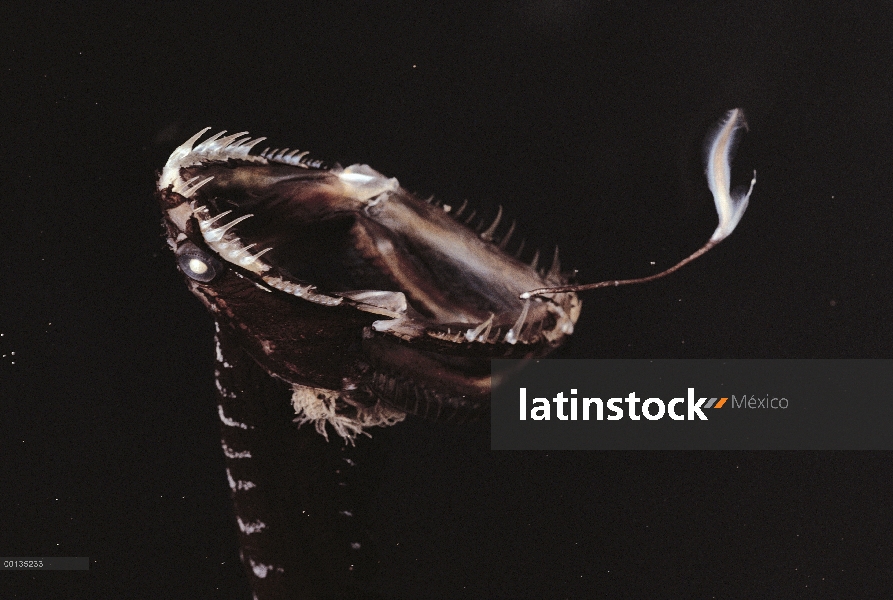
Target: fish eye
(198, 264)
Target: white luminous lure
(730, 206)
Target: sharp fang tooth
(534, 264)
(215, 235)
(505, 240)
(520, 248)
(245, 257)
(461, 209)
(484, 337)
(471, 216)
(179, 186)
(564, 321)
(203, 146)
(251, 144)
(206, 224)
(488, 235)
(514, 334)
(555, 270)
(186, 147)
(472, 334)
(188, 191)
(224, 142)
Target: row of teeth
(491, 336)
(295, 158)
(307, 292)
(188, 188)
(517, 333)
(229, 247)
(489, 235)
(214, 149)
(227, 244)
(220, 149)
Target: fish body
(343, 300)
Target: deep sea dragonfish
(343, 300)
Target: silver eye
(198, 264)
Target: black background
(585, 120)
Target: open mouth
(443, 296)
